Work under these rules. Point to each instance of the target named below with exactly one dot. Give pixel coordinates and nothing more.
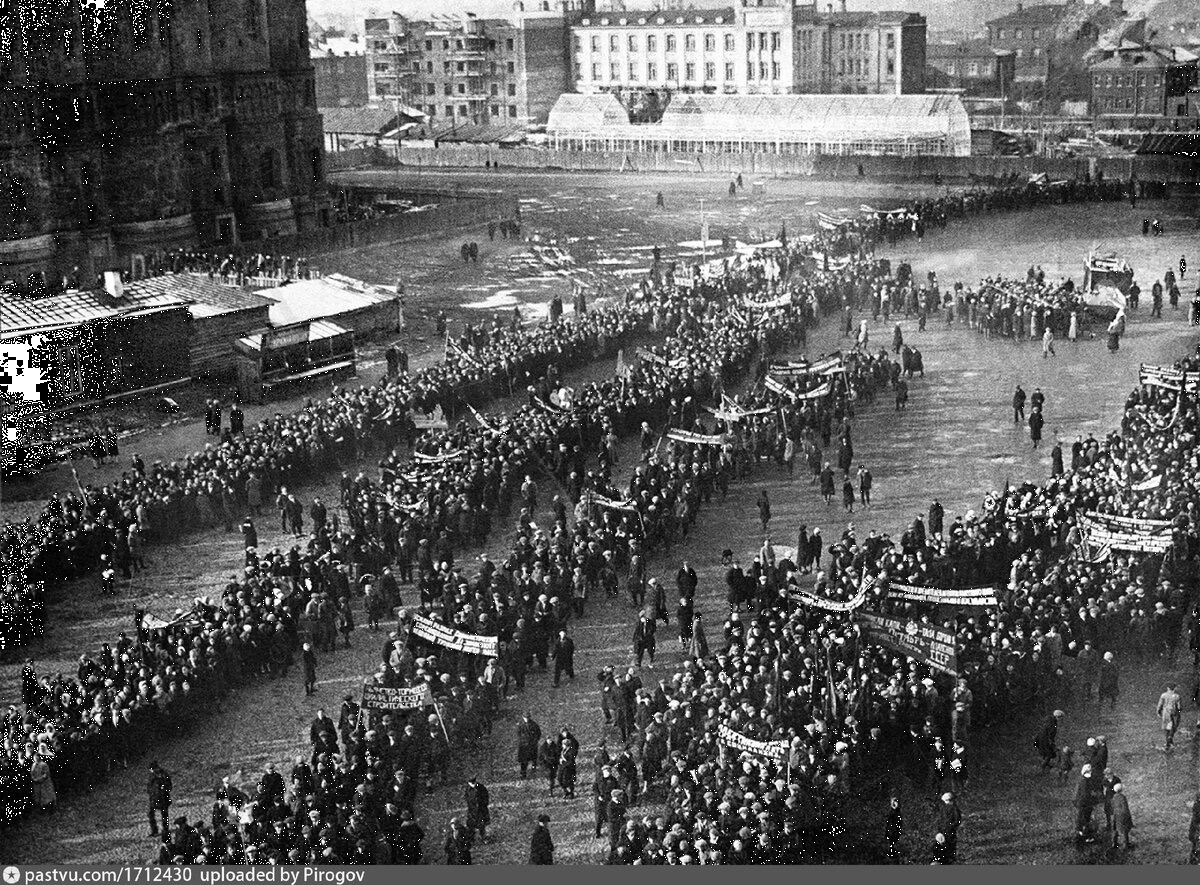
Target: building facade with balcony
(779, 48)
(126, 128)
(470, 70)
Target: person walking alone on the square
(1170, 709)
(309, 658)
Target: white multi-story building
(767, 49)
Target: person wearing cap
(893, 830)
(603, 788)
(541, 846)
(529, 734)
(457, 844)
(615, 813)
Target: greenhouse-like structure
(873, 125)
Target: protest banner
(609, 503)
(776, 751)
(182, 619)
(1169, 378)
(783, 390)
(921, 642)
(1133, 538)
(696, 439)
(455, 640)
(830, 605)
(984, 597)
(445, 458)
(376, 697)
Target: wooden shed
(221, 313)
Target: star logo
(12, 875)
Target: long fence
(1145, 168)
(457, 212)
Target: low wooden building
(221, 313)
(93, 346)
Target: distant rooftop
(1042, 14)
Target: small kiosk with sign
(285, 360)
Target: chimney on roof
(113, 284)
(1020, 6)
(842, 7)
(830, 8)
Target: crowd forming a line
(696, 316)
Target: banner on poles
(696, 439)
(781, 301)
(376, 697)
(478, 417)
(609, 503)
(984, 597)
(776, 751)
(1170, 378)
(184, 619)
(455, 640)
(830, 605)
(921, 642)
(1147, 485)
(1098, 535)
(795, 396)
(1130, 523)
(445, 458)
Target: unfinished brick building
(133, 125)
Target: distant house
(348, 128)
(1029, 33)
(340, 69)
(973, 66)
(79, 348)
(1143, 87)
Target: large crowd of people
(352, 801)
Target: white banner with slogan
(376, 697)
(971, 596)
(456, 640)
(776, 751)
(696, 439)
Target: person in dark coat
(29, 688)
(478, 816)
(1046, 738)
(1036, 423)
(408, 840)
(949, 818)
(458, 844)
(1122, 819)
(549, 756)
(529, 735)
(158, 794)
(564, 656)
(644, 638)
(310, 669)
(893, 830)
(1087, 796)
(541, 846)
(1110, 676)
